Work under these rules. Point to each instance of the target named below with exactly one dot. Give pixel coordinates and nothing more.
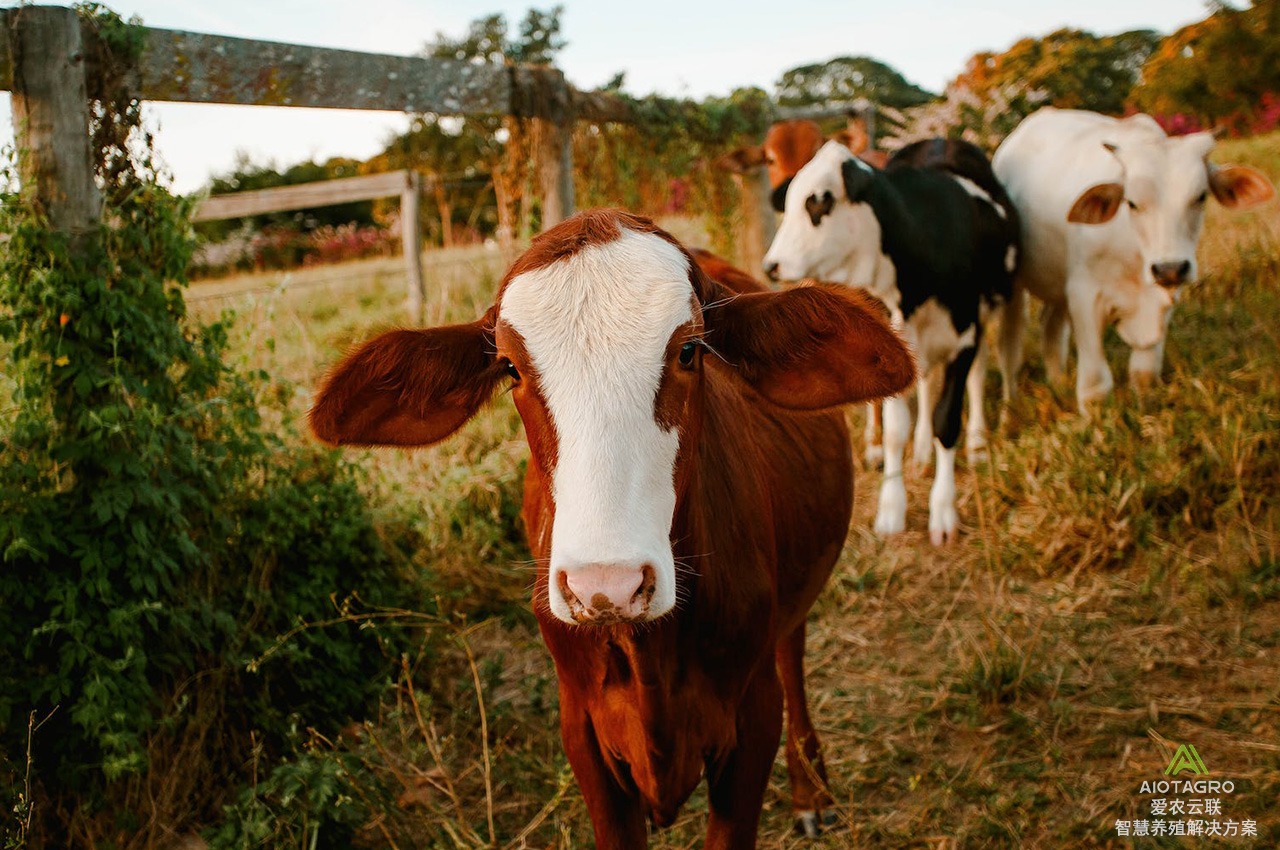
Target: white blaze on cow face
(596, 326)
(823, 234)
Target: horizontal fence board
(203, 68)
(284, 198)
(199, 68)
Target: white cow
(1111, 212)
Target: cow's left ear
(742, 160)
(810, 347)
(1097, 205)
(858, 177)
(1239, 186)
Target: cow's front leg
(975, 438)
(922, 442)
(736, 785)
(871, 435)
(616, 816)
(891, 515)
(1056, 337)
(1013, 320)
(943, 519)
(1093, 375)
(1145, 363)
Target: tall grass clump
(156, 534)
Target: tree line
(1222, 71)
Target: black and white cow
(935, 237)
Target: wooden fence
(407, 184)
(49, 50)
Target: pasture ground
(1115, 593)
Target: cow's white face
(1164, 186)
(823, 233)
(600, 329)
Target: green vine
(153, 533)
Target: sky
(672, 47)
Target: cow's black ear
(857, 178)
(779, 196)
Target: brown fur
(763, 501)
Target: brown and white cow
(788, 145)
(688, 492)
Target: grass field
(1115, 592)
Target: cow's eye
(1204, 196)
(512, 371)
(1131, 204)
(687, 353)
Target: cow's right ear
(408, 388)
(742, 160)
(809, 347)
(1097, 205)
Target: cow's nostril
(607, 593)
(771, 270)
(644, 593)
(1170, 274)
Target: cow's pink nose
(608, 593)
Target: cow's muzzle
(608, 594)
(1171, 274)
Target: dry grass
(1115, 592)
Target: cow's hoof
(812, 824)
(890, 523)
(874, 457)
(1143, 380)
(942, 527)
(975, 451)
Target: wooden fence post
(757, 222)
(411, 241)
(544, 95)
(51, 116)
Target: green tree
(849, 78)
(1218, 69)
(1073, 69)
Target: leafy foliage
(155, 530)
(848, 78)
(1072, 68)
(1217, 70)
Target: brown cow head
(602, 330)
(789, 145)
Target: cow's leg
(891, 515)
(1013, 321)
(1145, 363)
(805, 767)
(616, 816)
(943, 520)
(922, 443)
(736, 786)
(874, 448)
(975, 438)
(1093, 375)
(1057, 334)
